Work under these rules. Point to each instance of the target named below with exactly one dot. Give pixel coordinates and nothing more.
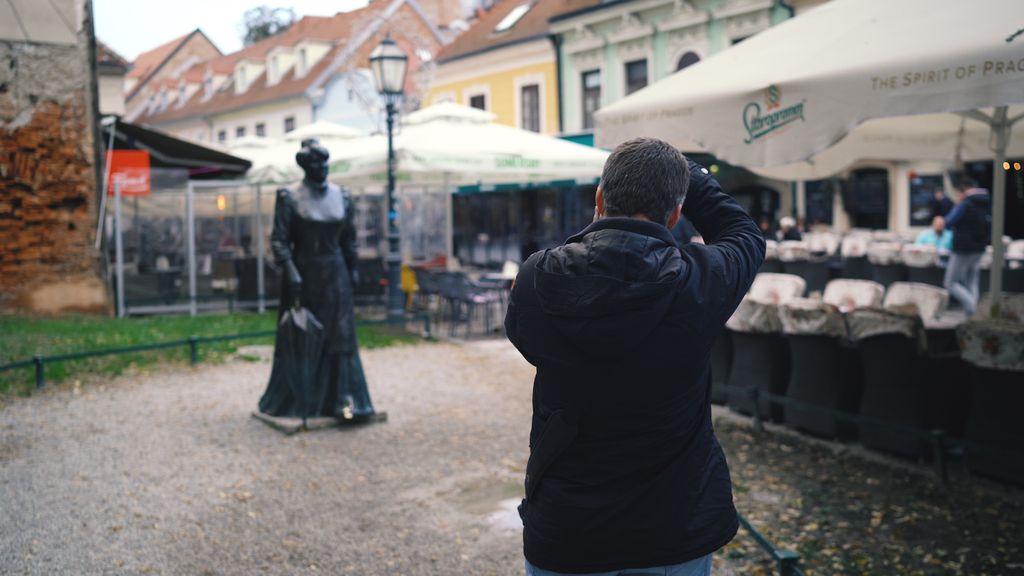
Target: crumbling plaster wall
(47, 180)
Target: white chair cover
(884, 252)
(930, 301)
(804, 316)
(822, 242)
(1015, 254)
(919, 255)
(776, 288)
(755, 317)
(847, 294)
(868, 322)
(771, 250)
(993, 343)
(790, 250)
(1011, 309)
(855, 245)
(758, 312)
(885, 236)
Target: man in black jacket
(625, 472)
(971, 222)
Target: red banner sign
(131, 169)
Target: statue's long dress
(314, 234)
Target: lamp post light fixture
(388, 63)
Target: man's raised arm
(727, 230)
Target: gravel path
(169, 474)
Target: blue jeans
(962, 279)
(699, 567)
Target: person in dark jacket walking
(625, 472)
(971, 222)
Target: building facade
(505, 64)
(610, 50)
(152, 70)
(315, 70)
(111, 70)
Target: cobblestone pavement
(167, 473)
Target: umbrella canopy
(461, 145)
(792, 92)
(323, 130)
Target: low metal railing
(40, 361)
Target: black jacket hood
(612, 282)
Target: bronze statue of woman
(314, 243)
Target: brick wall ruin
(47, 181)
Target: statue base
(289, 425)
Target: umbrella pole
(1001, 134)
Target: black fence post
(787, 561)
(939, 451)
(40, 371)
(754, 396)
(193, 355)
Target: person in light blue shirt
(937, 235)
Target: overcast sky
(134, 26)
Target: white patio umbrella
(792, 92)
(323, 130)
(453, 144)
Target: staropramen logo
(762, 122)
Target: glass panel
(591, 97)
(530, 103)
(820, 195)
(636, 75)
(923, 188)
(479, 102)
(154, 239)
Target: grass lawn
(22, 338)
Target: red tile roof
(147, 62)
(337, 30)
(106, 56)
(481, 37)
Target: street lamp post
(389, 63)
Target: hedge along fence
(193, 343)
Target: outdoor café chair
(892, 405)
(994, 348)
(824, 372)
(760, 357)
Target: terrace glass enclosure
(192, 246)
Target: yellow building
(505, 64)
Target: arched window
(686, 60)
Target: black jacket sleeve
(732, 237)
(516, 303)
(280, 237)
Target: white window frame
(624, 84)
(629, 52)
(478, 90)
(585, 61)
(579, 93)
(529, 80)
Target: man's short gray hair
(645, 176)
